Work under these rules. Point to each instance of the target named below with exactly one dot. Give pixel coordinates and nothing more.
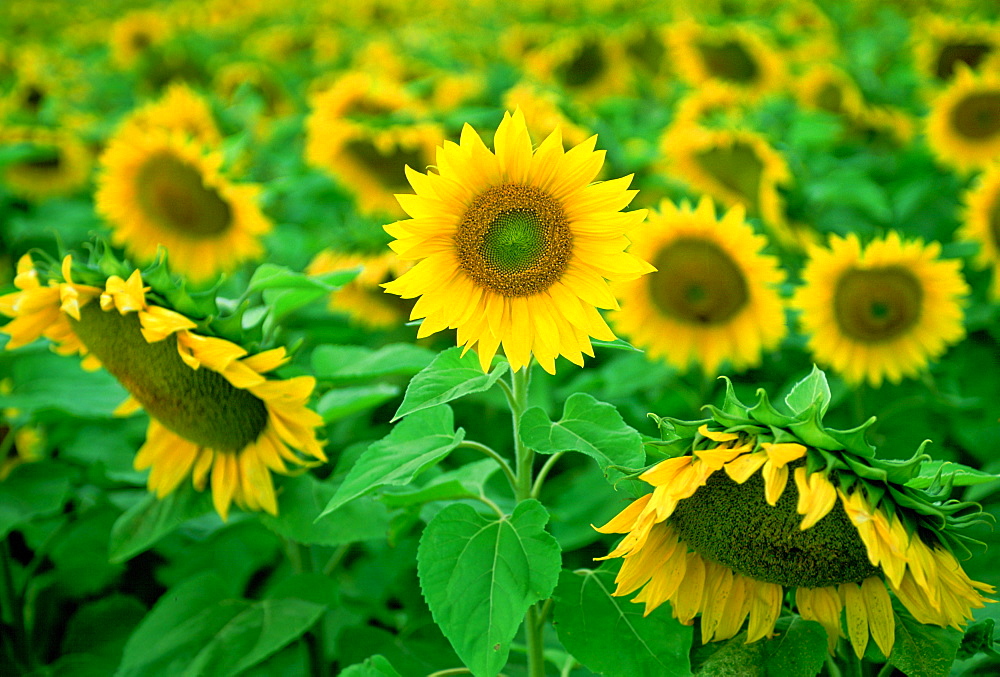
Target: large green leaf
(480, 575)
(466, 482)
(610, 635)
(447, 378)
(588, 426)
(342, 402)
(43, 380)
(149, 520)
(354, 363)
(798, 649)
(412, 447)
(32, 490)
(922, 650)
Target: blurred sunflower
(982, 223)
(213, 413)
(180, 109)
(54, 163)
(712, 297)
(514, 246)
(589, 65)
(963, 126)
(135, 34)
(712, 106)
(878, 124)
(842, 534)
(542, 112)
(735, 55)
(828, 88)
(812, 35)
(882, 311)
(941, 44)
(363, 299)
(159, 188)
(19, 444)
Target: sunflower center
(174, 193)
(970, 54)
(199, 405)
(977, 116)
(730, 61)
(737, 168)
(830, 99)
(514, 240)
(585, 67)
(648, 50)
(878, 304)
(733, 525)
(698, 283)
(388, 168)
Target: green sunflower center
(878, 304)
(199, 405)
(698, 283)
(732, 524)
(970, 53)
(586, 66)
(736, 168)
(174, 194)
(514, 240)
(388, 167)
(976, 116)
(729, 60)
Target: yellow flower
(588, 64)
(941, 44)
(827, 88)
(213, 413)
(514, 247)
(159, 188)
(363, 299)
(712, 297)
(59, 163)
(133, 35)
(882, 311)
(963, 126)
(982, 223)
(542, 113)
(181, 110)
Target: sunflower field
(545, 338)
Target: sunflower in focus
(55, 162)
(160, 188)
(514, 247)
(135, 34)
(363, 299)
(830, 522)
(735, 55)
(180, 109)
(882, 311)
(942, 45)
(712, 297)
(982, 223)
(214, 415)
(963, 126)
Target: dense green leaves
(32, 490)
(152, 518)
(447, 378)
(479, 575)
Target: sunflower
(160, 188)
(982, 223)
(587, 64)
(760, 502)
(180, 109)
(811, 33)
(135, 34)
(963, 126)
(542, 112)
(885, 123)
(712, 297)
(363, 299)
(942, 44)
(882, 311)
(55, 163)
(213, 413)
(514, 246)
(827, 88)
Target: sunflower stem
(501, 461)
(302, 562)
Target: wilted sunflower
(941, 44)
(725, 533)
(963, 126)
(514, 246)
(882, 311)
(180, 109)
(213, 413)
(734, 55)
(712, 297)
(54, 162)
(160, 188)
(982, 223)
(363, 299)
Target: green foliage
(31, 491)
(922, 650)
(797, 650)
(152, 518)
(376, 666)
(449, 377)
(347, 364)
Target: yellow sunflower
(827, 88)
(588, 64)
(882, 311)
(180, 109)
(712, 298)
(542, 113)
(213, 413)
(982, 223)
(886, 123)
(363, 299)
(514, 246)
(58, 163)
(160, 188)
(135, 34)
(741, 518)
(712, 106)
(963, 126)
(811, 33)
(941, 44)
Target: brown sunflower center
(878, 304)
(199, 405)
(732, 524)
(514, 240)
(586, 66)
(969, 53)
(977, 116)
(737, 168)
(174, 194)
(729, 60)
(388, 168)
(697, 282)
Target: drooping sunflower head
(882, 311)
(762, 500)
(734, 55)
(515, 245)
(161, 188)
(214, 414)
(712, 298)
(942, 44)
(53, 162)
(981, 223)
(963, 126)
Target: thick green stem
(302, 561)
(533, 627)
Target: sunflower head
(943, 45)
(963, 126)
(757, 501)
(982, 223)
(53, 162)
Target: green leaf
(149, 520)
(412, 447)
(922, 650)
(270, 276)
(101, 628)
(617, 344)
(587, 426)
(610, 635)
(376, 666)
(463, 483)
(43, 380)
(300, 503)
(447, 378)
(812, 390)
(353, 363)
(480, 575)
(962, 475)
(978, 639)
(799, 650)
(32, 490)
(343, 402)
